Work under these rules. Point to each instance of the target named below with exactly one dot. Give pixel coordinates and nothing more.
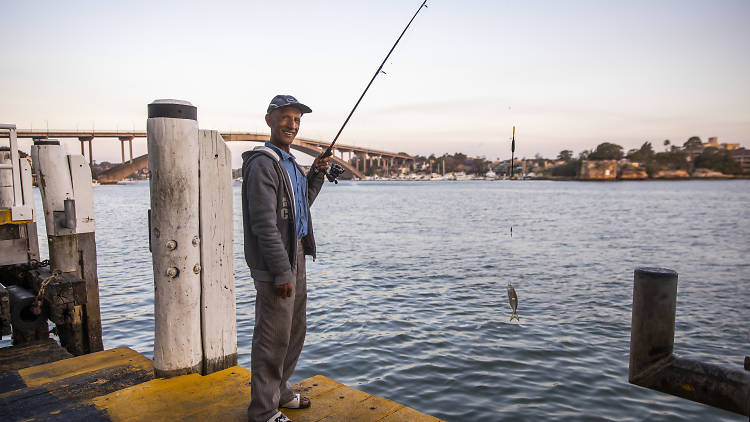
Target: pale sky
(568, 74)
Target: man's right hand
(284, 290)
(321, 163)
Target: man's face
(284, 124)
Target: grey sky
(568, 74)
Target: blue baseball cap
(280, 101)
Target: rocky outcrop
(710, 174)
(671, 174)
(598, 170)
(633, 172)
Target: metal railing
(20, 210)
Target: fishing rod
(512, 151)
(336, 170)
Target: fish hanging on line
(513, 299)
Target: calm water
(407, 298)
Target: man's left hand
(321, 163)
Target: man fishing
(276, 199)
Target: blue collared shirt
(299, 185)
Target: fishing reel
(334, 172)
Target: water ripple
(407, 298)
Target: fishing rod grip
(327, 153)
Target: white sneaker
(296, 403)
(279, 417)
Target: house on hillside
(713, 142)
(742, 156)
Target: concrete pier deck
(42, 382)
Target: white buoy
(173, 149)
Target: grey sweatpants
(278, 336)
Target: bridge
(359, 161)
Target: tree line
(672, 158)
(452, 163)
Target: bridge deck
(228, 137)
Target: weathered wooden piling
(218, 318)
(68, 201)
(191, 237)
(172, 131)
(652, 362)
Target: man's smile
(284, 123)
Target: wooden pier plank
(341, 400)
(407, 414)
(220, 396)
(87, 364)
(62, 389)
(372, 409)
(225, 395)
(19, 357)
(116, 385)
(316, 385)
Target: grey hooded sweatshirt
(268, 216)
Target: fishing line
(329, 151)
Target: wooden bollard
(172, 131)
(191, 238)
(218, 318)
(68, 202)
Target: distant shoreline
(558, 179)
(548, 178)
(643, 180)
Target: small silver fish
(513, 299)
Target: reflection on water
(408, 297)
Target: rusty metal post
(652, 362)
